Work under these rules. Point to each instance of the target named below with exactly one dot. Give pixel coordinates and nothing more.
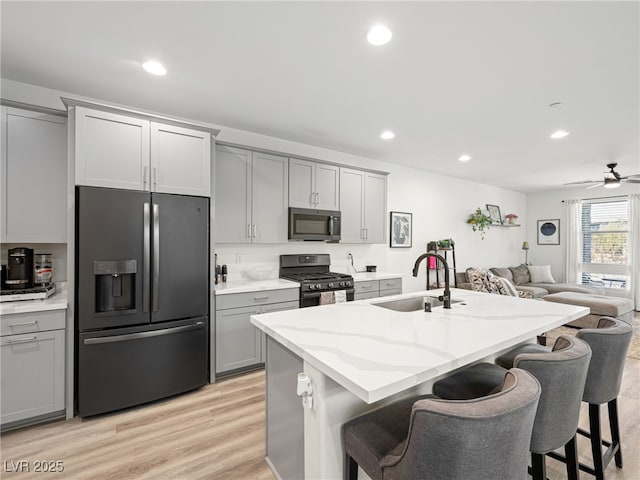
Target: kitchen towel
(341, 296)
(326, 298)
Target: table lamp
(525, 247)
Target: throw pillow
(520, 274)
(479, 279)
(502, 272)
(541, 274)
(504, 286)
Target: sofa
(522, 275)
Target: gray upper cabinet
(363, 204)
(313, 185)
(251, 190)
(180, 160)
(122, 151)
(34, 177)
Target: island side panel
(284, 413)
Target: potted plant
(479, 222)
(511, 217)
(444, 244)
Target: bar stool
(432, 438)
(562, 374)
(609, 343)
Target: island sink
(413, 304)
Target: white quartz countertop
(375, 352)
(366, 276)
(254, 286)
(57, 301)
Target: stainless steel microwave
(311, 224)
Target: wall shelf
(505, 225)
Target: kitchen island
(360, 356)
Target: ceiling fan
(612, 179)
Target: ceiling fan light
(611, 183)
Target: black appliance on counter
(20, 268)
(142, 297)
(313, 275)
(314, 225)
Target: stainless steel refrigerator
(142, 297)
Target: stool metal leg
(596, 440)
(571, 459)
(538, 467)
(615, 431)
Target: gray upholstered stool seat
(562, 374)
(506, 359)
(430, 438)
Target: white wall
(440, 206)
(549, 205)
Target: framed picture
(494, 213)
(549, 232)
(400, 230)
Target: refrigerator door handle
(156, 256)
(137, 336)
(146, 264)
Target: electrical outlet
(239, 258)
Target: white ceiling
(457, 77)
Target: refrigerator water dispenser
(115, 285)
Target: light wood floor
(217, 432)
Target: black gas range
(313, 275)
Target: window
(605, 241)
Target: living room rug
(634, 346)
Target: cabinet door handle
(22, 340)
(155, 178)
(366, 234)
(256, 299)
(366, 287)
(317, 198)
(248, 230)
(144, 177)
(253, 230)
(34, 322)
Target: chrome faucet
(446, 298)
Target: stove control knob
(312, 287)
(342, 284)
(318, 286)
(330, 285)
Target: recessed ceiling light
(464, 158)
(154, 68)
(559, 134)
(379, 35)
(387, 135)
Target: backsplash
(242, 260)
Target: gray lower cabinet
(377, 288)
(240, 345)
(32, 362)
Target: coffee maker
(20, 268)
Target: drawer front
(366, 295)
(387, 293)
(391, 284)
(18, 323)
(367, 287)
(262, 297)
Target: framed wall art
(494, 213)
(400, 230)
(549, 232)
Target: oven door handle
(317, 294)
